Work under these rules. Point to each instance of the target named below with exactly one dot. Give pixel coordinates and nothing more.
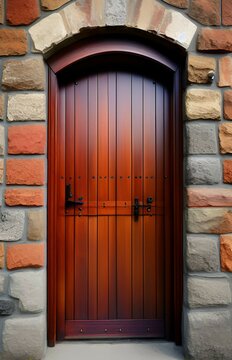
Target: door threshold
(120, 349)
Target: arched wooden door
(114, 203)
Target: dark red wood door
(114, 235)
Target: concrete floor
(115, 350)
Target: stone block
(2, 283)
(208, 335)
(228, 104)
(12, 225)
(226, 252)
(36, 225)
(209, 220)
(182, 4)
(2, 106)
(214, 196)
(2, 140)
(202, 254)
(203, 104)
(13, 42)
(145, 15)
(24, 197)
(6, 307)
(26, 107)
(203, 291)
(2, 256)
(52, 4)
(84, 14)
(199, 68)
(48, 32)
(1, 170)
(225, 71)
(203, 170)
(115, 12)
(24, 338)
(29, 288)
(1, 11)
(226, 12)
(25, 171)
(227, 171)
(206, 12)
(201, 138)
(25, 255)
(225, 138)
(215, 40)
(26, 74)
(178, 28)
(22, 12)
(27, 139)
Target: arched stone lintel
(147, 15)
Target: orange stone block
(228, 105)
(13, 42)
(2, 256)
(22, 12)
(202, 197)
(25, 255)
(227, 171)
(26, 139)
(226, 252)
(225, 71)
(215, 40)
(24, 197)
(25, 171)
(226, 12)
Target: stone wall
(30, 30)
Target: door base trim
(104, 329)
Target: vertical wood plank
(92, 195)
(81, 190)
(112, 196)
(124, 298)
(69, 179)
(150, 283)
(137, 192)
(103, 195)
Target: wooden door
(115, 154)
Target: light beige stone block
(203, 104)
(26, 107)
(1, 170)
(2, 140)
(48, 32)
(199, 68)
(26, 74)
(36, 225)
(209, 220)
(178, 28)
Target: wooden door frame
(174, 264)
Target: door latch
(69, 194)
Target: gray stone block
(116, 13)
(201, 138)
(2, 283)
(12, 225)
(203, 170)
(24, 338)
(6, 307)
(208, 335)
(29, 288)
(202, 254)
(203, 291)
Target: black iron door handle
(68, 195)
